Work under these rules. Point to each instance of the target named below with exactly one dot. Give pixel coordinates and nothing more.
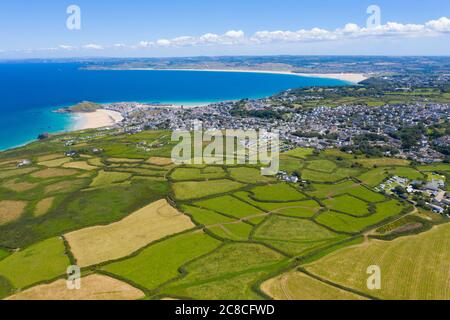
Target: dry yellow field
(11, 210)
(103, 243)
(82, 165)
(53, 173)
(296, 285)
(124, 160)
(158, 161)
(50, 157)
(63, 186)
(43, 206)
(17, 186)
(414, 267)
(16, 172)
(54, 163)
(93, 287)
(95, 162)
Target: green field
(300, 152)
(294, 236)
(43, 261)
(248, 227)
(323, 191)
(227, 273)
(435, 167)
(200, 189)
(321, 176)
(3, 254)
(374, 177)
(249, 175)
(186, 174)
(277, 192)
(382, 162)
(230, 206)
(348, 204)
(290, 164)
(407, 172)
(344, 223)
(161, 262)
(303, 209)
(107, 178)
(322, 165)
(83, 209)
(205, 217)
(238, 231)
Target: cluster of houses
(433, 190)
(343, 122)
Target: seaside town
(343, 127)
(417, 131)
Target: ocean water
(30, 91)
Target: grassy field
(230, 206)
(290, 164)
(186, 174)
(81, 165)
(161, 261)
(344, 223)
(249, 175)
(382, 162)
(227, 273)
(323, 191)
(414, 267)
(322, 165)
(407, 172)
(3, 254)
(300, 152)
(54, 163)
(98, 244)
(205, 217)
(199, 189)
(435, 167)
(238, 228)
(277, 192)
(348, 204)
(296, 285)
(105, 178)
(83, 209)
(374, 177)
(94, 287)
(320, 176)
(301, 209)
(237, 231)
(40, 262)
(294, 236)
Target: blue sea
(29, 92)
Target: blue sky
(153, 28)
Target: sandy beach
(349, 77)
(98, 119)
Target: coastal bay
(31, 92)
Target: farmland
(424, 280)
(140, 226)
(153, 222)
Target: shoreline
(354, 78)
(93, 120)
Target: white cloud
(66, 47)
(238, 37)
(349, 31)
(440, 25)
(93, 46)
